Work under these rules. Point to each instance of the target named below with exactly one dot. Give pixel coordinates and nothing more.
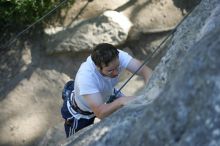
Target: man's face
(112, 70)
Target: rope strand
(158, 47)
(10, 42)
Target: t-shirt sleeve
(124, 58)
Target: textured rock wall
(111, 26)
(189, 32)
(184, 93)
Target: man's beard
(109, 76)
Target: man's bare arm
(145, 71)
(102, 110)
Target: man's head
(105, 57)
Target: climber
(94, 84)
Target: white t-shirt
(89, 80)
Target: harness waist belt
(77, 109)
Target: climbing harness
(68, 96)
(70, 111)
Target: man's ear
(98, 68)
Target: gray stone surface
(184, 38)
(185, 104)
(153, 16)
(50, 140)
(110, 27)
(31, 83)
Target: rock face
(184, 93)
(145, 17)
(186, 109)
(111, 27)
(31, 81)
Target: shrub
(23, 12)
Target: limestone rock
(58, 132)
(111, 27)
(186, 108)
(184, 38)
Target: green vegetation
(24, 12)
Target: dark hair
(103, 54)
